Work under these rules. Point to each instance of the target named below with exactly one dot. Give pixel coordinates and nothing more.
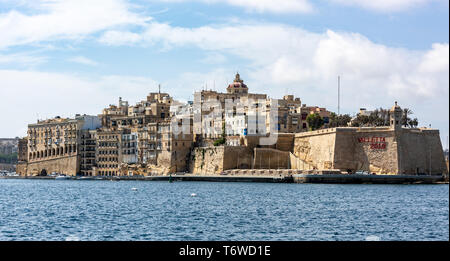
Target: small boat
(193, 195)
(134, 189)
(86, 178)
(61, 177)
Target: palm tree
(405, 119)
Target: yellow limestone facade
(381, 150)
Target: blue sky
(66, 57)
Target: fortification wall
(207, 160)
(237, 158)
(372, 150)
(214, 160)
(66, 165)
(376, 150)
(271, 159)
(164, 162)
(316, 148)
(298, 164)
(420, 150)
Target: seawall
(272, 177)
(367, 179)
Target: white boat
(60, 177)
(86, 178)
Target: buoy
(193, 195)
(134, 189)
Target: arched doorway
(43, 172)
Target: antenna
(159, 88)
(339, 93)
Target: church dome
(237, 83)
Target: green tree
(314, 121)
(8, 158)
(405, 118)
(413, 123)
(223, 139)
(339, 120)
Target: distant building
(54, 145)
(8, 146)
(210, 106)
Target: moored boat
(61, 177)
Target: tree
(378, 118)
(223, 139)
(405, 118)
(413, 123)
(8, 158)
(339, 120)
(314, 121)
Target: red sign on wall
(376, 143)
(371, 139)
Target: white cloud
(83, 60)
(306, 6)
(386, 5)
(436, 59)
(289, 55)
(55, 94)
(120, 38)
(23, 59)
(65, 19)
(260, 6)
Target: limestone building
(210, 106)
(155, 108)
(88, 150)
(53, 145)
(108, 151)
(149, 145)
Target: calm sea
(149, 210)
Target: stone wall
(214, 160)
(420, 150)
(376, 150)
(298, 164)
(173, 161)
(371, 150)
(237, 158)
(65, 165)
(271, 159)
(285, 142)
(315, 148)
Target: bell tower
(396, 117)
(238, 86)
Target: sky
(63, 57)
